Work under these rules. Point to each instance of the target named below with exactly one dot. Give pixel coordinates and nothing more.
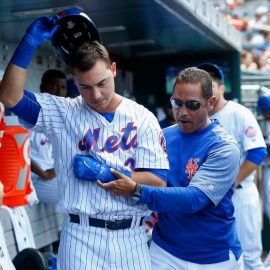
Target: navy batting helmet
(75, 27)
(213, 69)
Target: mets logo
(191, 168)
(250, 132)
(162, 141)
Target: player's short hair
(214, 71)
(48, 77)
(88, 54)
(194, 75)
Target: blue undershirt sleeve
(177, 199)
(27, 108)
(161, 173)
(256, 155)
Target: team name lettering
(130, 162)
(126, 141)
(191, 168)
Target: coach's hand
(124, 185)
(39, 31)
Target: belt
(239, 186)
(111, 224)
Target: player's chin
(99, 106)
(185, 126)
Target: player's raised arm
(12, 87)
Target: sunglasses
(191, 105)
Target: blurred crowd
(252, 18)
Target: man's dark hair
(48, 77)
(194, 75)
(88, 54)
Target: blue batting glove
(38, 32)
(88, 168)
(43, 29)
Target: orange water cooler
(15, 162)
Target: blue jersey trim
(108, 116)
(28, 108)
(161, 173)
(256, 155)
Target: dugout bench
(45, 222)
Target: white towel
(22, 227)
(5, 260)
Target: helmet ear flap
(75, 27)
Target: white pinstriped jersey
(41, 150)
(129, 141)
(242, 125)
(41, 153)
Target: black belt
(107, 224)
(239, 186)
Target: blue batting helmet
(75, 27)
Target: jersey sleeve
(151, 150)
(218, 173)
(189, 198)
(252, 137)
(52, 114)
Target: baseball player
(196, 227)
(264, 108)
(101, 230)
(242, 125)
(43, 174)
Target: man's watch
(136, 194)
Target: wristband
(24, 51)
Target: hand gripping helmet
(75, 28)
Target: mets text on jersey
(113, 142)
(127, 140)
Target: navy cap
(213, 70)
